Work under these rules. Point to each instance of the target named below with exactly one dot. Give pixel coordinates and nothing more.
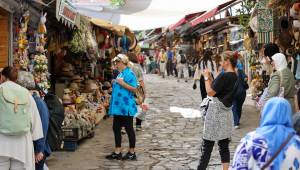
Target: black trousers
(175, 70)
(202, 88)
(138, 122)
(169, 67)
(206, 149)
(127, 122)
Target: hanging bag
(139, 95)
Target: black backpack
(183, 59)
(57, 115)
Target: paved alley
(168, 140)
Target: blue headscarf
(275, 126)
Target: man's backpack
(57, 115)
(183, 59)
(15, 118)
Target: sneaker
(129, 156)
(236, 127)
(123, 131)
(138, 128)
(114, 156)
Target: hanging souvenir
(265, 22)
(285, 36)
(41, 74)
(21, 58)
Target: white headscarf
(279, 61)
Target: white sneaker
(236, 127)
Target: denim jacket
(42, 145)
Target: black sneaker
(129, 156)
(114, 156)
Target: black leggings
(206, 149)
(127, 122)
(138, 122)
(202, 88)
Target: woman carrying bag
(123, 107)
(218, 123)
(240, 95)
(274, 145)
(282, 82)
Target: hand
(120, 81)
(38, 157)
(195, 86)
(207, 73)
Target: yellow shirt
(163, 57)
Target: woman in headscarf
(257, 148)
(283, 77)
(123, 107)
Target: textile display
(265, 23)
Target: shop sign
(67, 11)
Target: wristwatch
(206, 78)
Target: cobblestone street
(168, 140)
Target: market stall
(277, 22)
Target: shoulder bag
(278, 151)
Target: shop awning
(219, 24)
(143, 14)
(109, 26)
(211, 13)
(186, 19)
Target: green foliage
(117, 3)
(78, 44)
(244, 12)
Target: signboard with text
(67, 11)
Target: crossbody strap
(280, 78)
(278, 151)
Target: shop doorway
(4, 38)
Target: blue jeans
(238, 106)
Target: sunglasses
(116, 62)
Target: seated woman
(274, 144)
